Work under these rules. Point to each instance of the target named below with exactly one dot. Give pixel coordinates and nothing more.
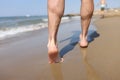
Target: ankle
(83, 37)
(51, 43)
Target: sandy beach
(25, 58)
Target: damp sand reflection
(56, 70)
(91, 73)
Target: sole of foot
(53, 55)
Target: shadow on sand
(74, 39)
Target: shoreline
(10, 32)
(26, 57)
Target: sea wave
(8, 32)
(13, 27)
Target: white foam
(13, 31)
(45, 20)
(67, 19)
(7, 32)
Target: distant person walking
(55, 12)
(102, 7)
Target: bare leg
(55, 12)
(102, 13)
(103, 5)
(87, 8)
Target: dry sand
(26, 58)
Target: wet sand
(26, 58)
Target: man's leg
(102, 13)
(55, 12)
(87, 8)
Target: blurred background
(20, 16)
(39, 7)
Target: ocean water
(11, 26)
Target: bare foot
(53, 54)
(83, 41)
